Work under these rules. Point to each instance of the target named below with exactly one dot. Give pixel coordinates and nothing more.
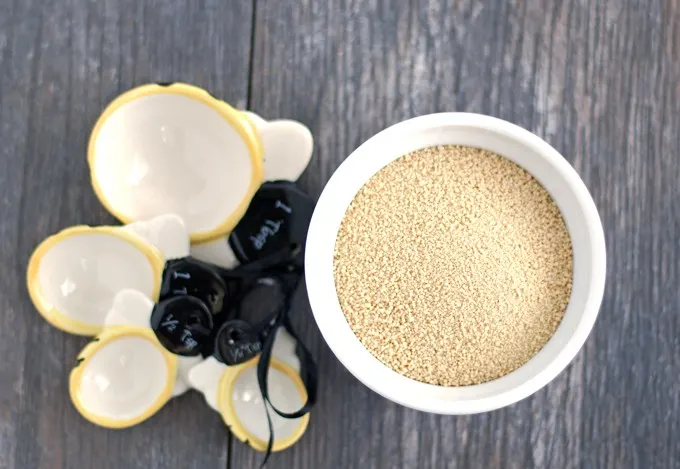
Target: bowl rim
(61, 319)
(108, 336)
(237, 120)
(345, 345)
(226, 408)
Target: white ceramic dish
(74, 275)
(125, 375)
(529, 152)
(176, 149)
(123, 378)
(233, 391)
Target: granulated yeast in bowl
(453, 266)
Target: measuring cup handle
(167, 233)
(287, 146)
(129, 308)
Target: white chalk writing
(268, 229)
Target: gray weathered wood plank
(599, 81)
(60, 63)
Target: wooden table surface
(599, 80)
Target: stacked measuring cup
(195, 289)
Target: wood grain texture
(60, 63)
(599, 81)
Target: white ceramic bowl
(549, 168)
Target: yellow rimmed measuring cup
(233, 391)
(160, 149)
(74, 275)
(125, 375)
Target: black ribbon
(308, 372)
(207, 310)
(186, 322)
(276, 267)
